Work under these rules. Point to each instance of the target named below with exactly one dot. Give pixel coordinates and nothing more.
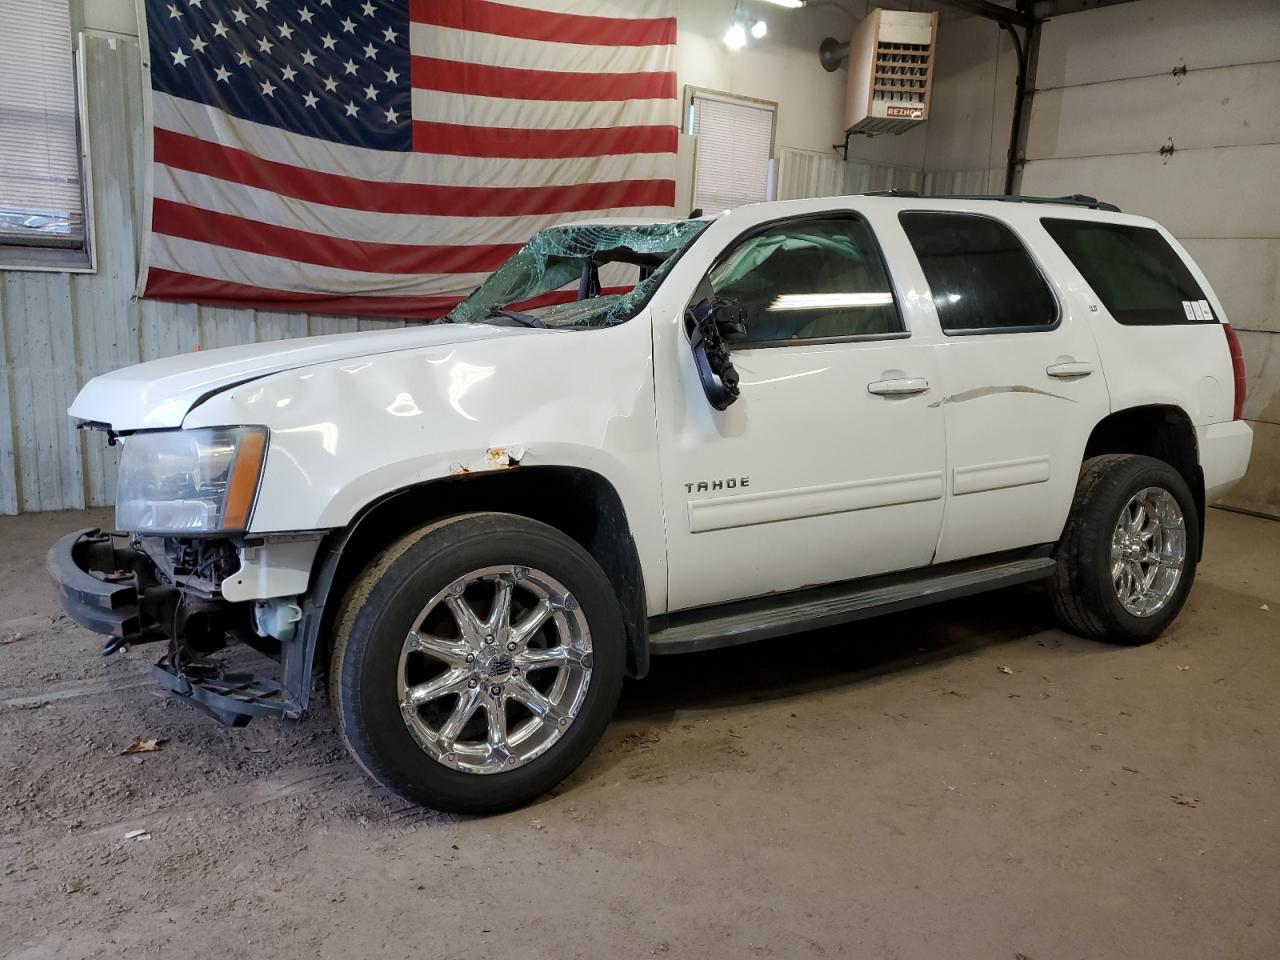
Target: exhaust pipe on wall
(832, 54)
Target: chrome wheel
(1148, 551)
(495, 669)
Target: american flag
(382, 157)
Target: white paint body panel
(277, 568)
(1224, 455)
(347, 432)
(158, 393)
(1015, 435)
(841, 483)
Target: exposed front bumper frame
(109, 590)
(106, 603)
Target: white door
(830, 464)
(1020, 382)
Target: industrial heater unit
(890, 71)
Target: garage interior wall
(962, 147)
(58, 330)
(1107, 100)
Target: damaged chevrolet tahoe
(640, 439)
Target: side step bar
(774, 616)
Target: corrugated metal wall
(58, 330)
(805, 173)
(964, 182)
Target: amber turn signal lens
(244, 480)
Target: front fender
(347, 433)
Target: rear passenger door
(1021, 382)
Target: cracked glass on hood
(595, 275)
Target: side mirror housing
(711, 322)
(730, 320)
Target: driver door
(829, 466)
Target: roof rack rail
(1075, 200)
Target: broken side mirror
(711, 323)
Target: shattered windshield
(595, 275)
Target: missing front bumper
(109, 588)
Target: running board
(774, 616)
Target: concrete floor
(878, 791)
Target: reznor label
(909, 113)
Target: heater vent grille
(890, 71)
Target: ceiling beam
(991, 11)
(1043, 9)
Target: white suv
(647, 438)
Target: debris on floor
(137, 835)
(1185, 800)
(144, 745)
(1005, 670)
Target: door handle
(902, 387)
(1070, 370)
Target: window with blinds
(41, 199)
(735, 144)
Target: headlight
(190, 481)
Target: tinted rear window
(980, 275)
(1139, 278)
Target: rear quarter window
(1139, 278)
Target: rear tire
(1115, 578)
(426, 678)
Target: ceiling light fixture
(759, 28)
(735, 38)
(789, 4)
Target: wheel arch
(578, 502)
(1159, 430)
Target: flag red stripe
(224, 230)
(170, 285)
(468, 141)
(483, 16)
(228, 163)
(559, 296)
(512, 83)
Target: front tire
(476, 662)
(1128, 555)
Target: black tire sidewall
(368, 661)
(1126, 478)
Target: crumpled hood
(159, 393)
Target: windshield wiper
(525, 319)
